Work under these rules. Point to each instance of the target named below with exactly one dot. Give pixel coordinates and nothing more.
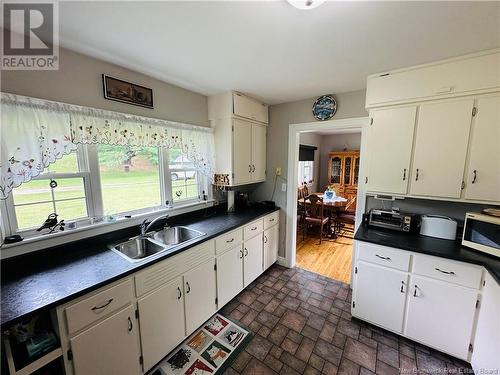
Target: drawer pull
(265, 239)
(95, 308)
(246, 251)
(130, 324)
(475, 176)
(179, 295)
(241, 254)
(416, 175)
(381, 257)
(402, 287)
(445, 272)
(229, 241)
(189, 288)
(271, 219)
(254, 228)
(404, 174)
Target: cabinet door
(487, 339)
(161, 317)
(452, 308)
(441, 148)
(252, 260)
(390, 145)
(355, 172)
(348, 163)
(199, 295)
(380, 295)
(229, 274)
(483, 176)
(335, 169)
(271, 240)
(259, 152)
(242, 151)
(109, 347)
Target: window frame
(88, 163)
(301, 170)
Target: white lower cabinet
(441, 315)
(271, 240)
(229, 274)
(486, 354)
(252, 259)
(109, 347)
(434, 302)
(161, 320)
(199, 295)
(380, 295)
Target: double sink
(144, 246)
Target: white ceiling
(271, 50)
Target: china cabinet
(343, 174)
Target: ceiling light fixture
(306, 4)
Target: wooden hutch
(343, 174)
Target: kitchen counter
(38, 282)
(430, 246)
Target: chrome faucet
(145, 227)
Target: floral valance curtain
(35, 133)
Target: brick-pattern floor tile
(302, 325)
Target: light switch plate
(283, 187)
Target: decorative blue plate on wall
(324, 107)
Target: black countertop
(430, 246)
(41, 281)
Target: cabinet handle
(271, 219)
(249, 168)
(475, 176)
(404, 174)
(402, 287)
(229, 241)
(102, 306)
(416, 175)
(246, 251)
(179, 295)
(381, 257)
(189, 288)
(254, 228)
(445, 272)
(241, 254)
(415, 291)
(265, 239)
(130, 325)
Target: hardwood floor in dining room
(332, 259)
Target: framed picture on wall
(127, 92)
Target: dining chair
(314, 214)
(346, 216)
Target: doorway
(347, 140)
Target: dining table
(333, 207)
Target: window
(61, 188)
(305, 172)
(130, 178)
(184, 177)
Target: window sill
(39, 242)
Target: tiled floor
(302, 325)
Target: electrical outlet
(283, 187)
(278, 171)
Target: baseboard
(282, 261)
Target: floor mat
(209, 350)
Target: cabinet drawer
(228, 240)
(442, 269)
(93, 308)
(385, 256)
(271, 219)
(253, 228)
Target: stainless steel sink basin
(176, 235)
(140, 248)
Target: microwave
(482, 232)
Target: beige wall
(335, 142)
(351, 104)
(79, 81)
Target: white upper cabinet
(240, 125)
(483, 171)
(390, 145)
(441, 148)
(470, 74)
